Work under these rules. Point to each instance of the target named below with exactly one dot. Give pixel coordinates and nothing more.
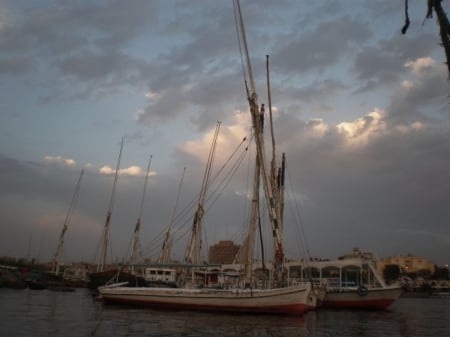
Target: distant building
(408, 263)
(357, 253)
(223, 252)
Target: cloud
(362, 129)
(381, 65)
(360, 111)
(427, 88)
(15, 66)
(420, 64)
(84, 47)
(133, 171)
(60, 160)
(229, 137)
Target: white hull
(290, 300)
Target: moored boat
(352, 282)
(101, 278)
(378, 298)
(274, 295)
(289, 300)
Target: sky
(361, 111)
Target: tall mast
(280, 184)
(272, 133)
(271, 200)
(135, 241)
(245, 254)
(104, 244)
(274, 174)
(57, 257)
(164, 256)
(195, 241)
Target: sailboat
(164, 273)
(55, 280)
(135, 244)
(56, 263)
(275, 297)
(353, 282)
(104, 275)
(194, 293)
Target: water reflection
(44, 313)
(140, 322)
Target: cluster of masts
(272, 183)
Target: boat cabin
(160, 275)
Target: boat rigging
(58, 253)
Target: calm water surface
(41, 313)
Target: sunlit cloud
(419, 64)
(407, 84)
(359, 131)
(154, 96)
(229, 137)
(89, 166)
(317, 127)
(133, 171)
(416, 126)
(59, 160)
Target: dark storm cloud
(378, 195)
(65, 27)
(15, 66)
(381, 65)
(386, 187)
(413, 103)
(87, 42)
(198, 73)
(19, 177)
(108, 65)
(323, 46)
(315, 93)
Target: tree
(441, 273)
(391, 273)
(444, 25)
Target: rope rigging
(218, 182)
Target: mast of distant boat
(164, 256)
(101, 262)
(135, 245)
(57, 258)
(193, 250)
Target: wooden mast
(193, 249)
(164, 256)
(271, 199)
(104, 244)
(57, 257)
(245, 253)
(135, 240)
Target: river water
(38, 313)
